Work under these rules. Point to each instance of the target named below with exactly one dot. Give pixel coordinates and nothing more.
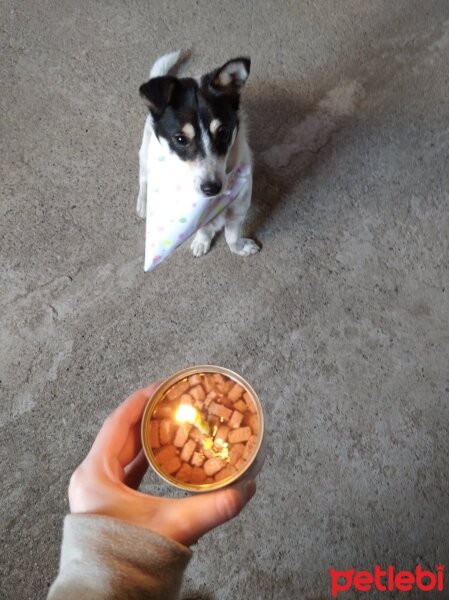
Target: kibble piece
(197, 476)
(235, 392)
(250, 402)
(239, 435)
(226, 402)
(197, 459)
(182, 435)
(167, 431)
(184, 473)
(235, 420)
(249, 447)
(171, 465)
(186, 399)
(198, 393)
(187, 451)
(208, 383)
(213, 465)
(195, 379)
(165, 454)
(235, 453)
(220, 411)
(196, 434)
(214, 422)
(223, 387)
(222, 433)
(212, 395)
(218, 379)
(178, 389)
(209, 452)
(240, 464)
(228, 471)
(254, 424)
(162, 411)
(154, 434)
(240, 406)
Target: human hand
(106, 483)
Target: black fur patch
(175, 102)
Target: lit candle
(187, 414)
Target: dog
(200, 121)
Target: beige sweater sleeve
(104, 558)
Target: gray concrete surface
(341, 323)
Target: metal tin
(254, 463)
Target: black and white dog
(200, 121)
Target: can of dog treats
(203, 429)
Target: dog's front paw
(141, 208)
(200, 246)
(244, 247)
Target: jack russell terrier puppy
(198, 121)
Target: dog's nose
(211, 188)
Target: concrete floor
(340, 323)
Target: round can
(252, 465)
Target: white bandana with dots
(175, 210)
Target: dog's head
(199, 118)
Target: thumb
(199, 514)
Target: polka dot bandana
(175, 210)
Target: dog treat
(239, 435)
(240, 406)
(220, 411)
(154, 434)
(178, 389)
(226, 472)
(182, 435)
(235, 392)
(250, 402)
(198, 459)
(222, 433)
(188, 449)
(204, 429)
(185, 472)
(213, 465)
(253, 422)
(236, 419)
(198, 393)
(235, 453)
(167, 430)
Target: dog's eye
(222, 132)
(181, 139)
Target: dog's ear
(232, 76)
(157, 93)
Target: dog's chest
(175, 210)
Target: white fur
(164, 64)
(210, 167)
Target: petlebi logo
(387, 580)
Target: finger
(132, 446)
(115, 432)
(135, 471)
(199, 514)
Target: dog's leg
(204, 236)
(141, 207)
(234, 221)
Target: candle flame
(187, 414)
